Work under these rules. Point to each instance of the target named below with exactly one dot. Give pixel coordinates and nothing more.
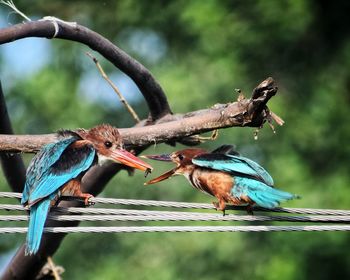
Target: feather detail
(67, 133)
(235, 165)
(46, 157)
(38, 214)
(262, 194)
(60, 173)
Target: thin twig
(53, 268)
(214, 135)
(121, 97)
(10, 4)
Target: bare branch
(51, 27)
(116, 90)
(169, 128)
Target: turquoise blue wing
(234, 164)
(260, 171)
(42, 161)
(70, 164)
(262, 194)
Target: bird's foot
(220, 207)
(87, 197)
(216, 205)
(250, 210)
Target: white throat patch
(102, 159)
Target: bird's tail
(262, 194)
(38, 214)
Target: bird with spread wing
(225, 174)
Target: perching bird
(57, 169)
(226, 175)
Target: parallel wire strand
(179, 229)
(10, 195)
(185, 205)
(189, 217)
(108, 214)
(109, 211)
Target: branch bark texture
(169, 128)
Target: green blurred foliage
(204, 50)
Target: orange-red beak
(164, 176)
(127, 158)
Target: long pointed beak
(164, 157)
(162, 177)
(126, 158)
(166, 175)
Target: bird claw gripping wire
(89, 200)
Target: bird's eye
(180, 156)
(108, 144)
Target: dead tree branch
(246, 112)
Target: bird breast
(211, 182)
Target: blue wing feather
(234, 164)
(41, 162)
(50, 181)
(262, 194)
(259, 170)
(38, 214)
(48, 171)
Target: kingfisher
(57, 170)
(226, 175)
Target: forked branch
(251, 112)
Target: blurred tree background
(199, 51)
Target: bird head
(109, 146)
(182, 159)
